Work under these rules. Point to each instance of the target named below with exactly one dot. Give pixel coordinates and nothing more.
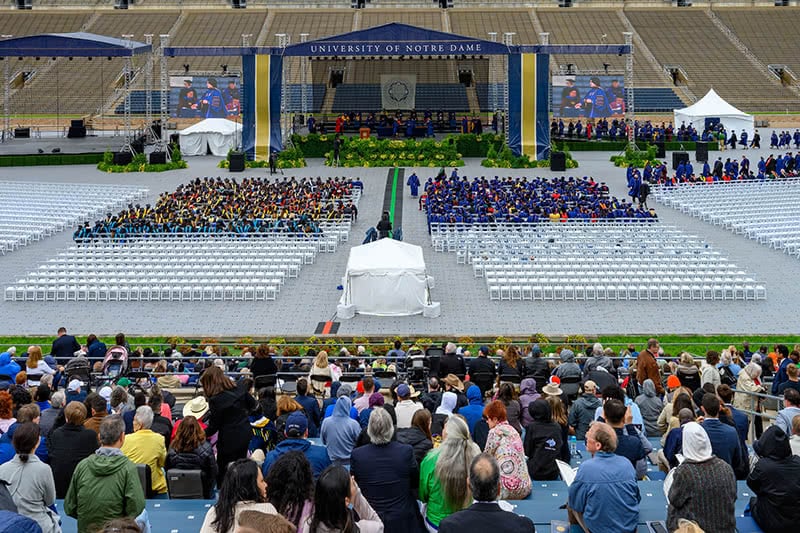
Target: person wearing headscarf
(775, 480)
(527, 395)
(703, 488)
(443, 412)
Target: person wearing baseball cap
(581, 414)
(406, 406)
(75, 392)
(296, 431)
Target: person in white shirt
(36, 367)
(406, 407)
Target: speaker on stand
(558, 161)
(236, 162)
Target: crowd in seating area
(402, 452)
(729, 170)
(401, 123)
(480, 200)
(617, 130)
(225, 205)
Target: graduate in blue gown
(212, 102)
(596, 100)
(413, 182)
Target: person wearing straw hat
(453, 384)
(198, 408)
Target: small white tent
(713, 106)
(217, 134)
(385, 278)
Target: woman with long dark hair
(190, 450)
(229, 407)
(336, 490)
(290, 487)
(30, 481)
(243, 489)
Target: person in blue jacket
(8, 367)
(296, 440)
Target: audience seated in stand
(106, 485)
(296, 434)
(216, 205)
(442, 470)
(290, 487)
(30, 481)
(703, 487)
(144, 446)
(485, 513)
(443, 473)
(775, 480)
(387, 471)
(190, 450)
(604, 495)
(243, 489)
(68, 445)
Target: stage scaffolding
(50, 80)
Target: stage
(46, 144)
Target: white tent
(219, 134)
(713, 106)
(385, 278)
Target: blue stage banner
(542, 107)
(515, 103)
(249, 106)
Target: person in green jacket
(106, 485)
(444, 471)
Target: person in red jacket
(647, 367)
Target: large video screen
(204, 96)
(588, 96)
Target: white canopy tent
(386, 278)
(713, 106)
(217, 134)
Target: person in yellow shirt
(144, 446)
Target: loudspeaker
(78, 123)
(661, 150)
(175, 139)
(123, 158)
(236, 162)
(22, 133)
(158, 158)
(701, 152)
(76, 132)
(558, 161)
(677, 157)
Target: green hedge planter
(49, 159)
